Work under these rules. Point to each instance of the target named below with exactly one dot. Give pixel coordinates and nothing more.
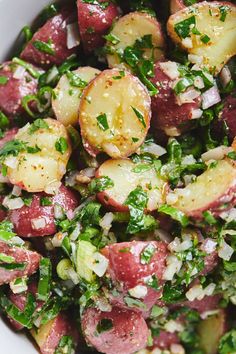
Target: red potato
(95, 21)
(48, 336)
(114, 114)
(227, 115)
(37, 220)
(120, 171)
(8, 136)
(214, 190)
(168, 115)
(3, 213)
(130, 274)
(165, 339)
(207, 18)
(128, 333)
(211, 260)
(176, 5)
(21, 255)
(54, 34)
(12, 92)
(208, 303)
(130, 28)
(211, 330)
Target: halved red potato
(122, 330)
(133, 27)
(95, 19)
(44, 169)
(67, 98)
(216, 23)
(214, 191)
(15, 88)
(169, 114)
(211, 330)
(126, 179)
(114, 113)
(176, 5)
(39, 220)
(49, 44)
(49, 335)
(28, 259)
(3, 212)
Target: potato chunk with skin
(122, 173)
(38, 172)
(132, 27)
(208, 30)
(114, 113)
(214, 190)
(68, 94)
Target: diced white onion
(52, 188)
(58, 211)
(111, 149)
(38, 223)
(12, 204)
(210, 97)
(187, 42)
(98, 264)
(70, 214)
(57, 239)
(217, 153)
(187, 96)
(73, 39)
(73, 275)
(173, 267)
(173, 326)
(139, 291)
(177, 349)
(102, 304)
(52, 74)
(177, 246)
(209, 246)
(171, 198)
(209, 290)
(229, 215)
(154, 149)
(170, 68)
(172, 131)
(197, 292)
(163, 235)
(75, 233)
(198, 82)
(16, 191)
(188, 160)
(196, 113)
(19, 72)
(11, 162)
(106, 222)
(17, 286)
(89, 172)
(195, 59)
(188, 179)
(225, 76)
(225, 251)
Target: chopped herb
(228, 343)
(38, 124)
(102, 4)
(174, 214)
(13, 147)
(125, 250)
(6, 259)
(112, 38)
(205, 39)
(182, 85)
(189, 2)
(3, 80)
(44, 285)
(118, 77)
(153, 283)
(223, 12)
(140, 116)
(30, 68)
(135, 140)
(209, 218)
(183, 28)
(75, 80)
(130, 302)
(4, 121)
(26, 30)
(142, 168)
(61, 145)
(147, 253)
(13, 266)
(156, 311)
(33, 150)
(102, 122)
(101, 184)
(172, 294)
(65, 346)
(104, 325)
(45, 201)
(44, 47)
(232, 155)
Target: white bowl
(14, 15)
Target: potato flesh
(134, 26)
(209, 191)
(125, 181)
(115, 98)
(40, 335)
(222, 44)
(66, 103)
(35, 172)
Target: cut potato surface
(68, 94)
(122, 173)
(207, 30)
(39, 171)
(114, 113)
(132, 27)
(212, 190)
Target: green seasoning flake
(38, 124)
(205, 39)
(232, 155)
(13, 147)
(156, 311)
(101, 184)
(45, 201)
(3, 80)
(130, 302)
(182, 85)
(139, 116)
(44, 47)
(189, 2)
(142, 168)
(104, 325)
(223, 12)
(118, 77)
(183, 28)
(228, 343)
(33, 150)
(174, 214)
(147, 253)
(6, 259)
(65, 346)
(45, 270)
(209, 218)
(102, 122)
(61, 145)
(75, 80)
(112, 38)
(4, 121)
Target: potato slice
(216, 24)
(210, 331)
(39, 171)
(114, 113)
(211, 191)
(176, 5)
(124, 173)
(132, 27)
(68, 95)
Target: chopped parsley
(3, 80)
(102, 4)
(139, 115)
(102, 122)
(174, 214)
(44, 47)
(223, 12)
(147, 253)
(183, 28)
(38, 124)
(112, 38)
(228, 343)
(232, 155)
(75, 80)
(101, 184)
(205, 38)
(45, 201)
(61, 145)
(4, 121)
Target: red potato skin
(210, 261)
(176, 5)
(55, 30)
(19, 300)
(8, 136)
(208, 303)
(98, 20)
(3, 213)
(165, 339)
(128, 334)
(14, 90)
(20, 255)
(21, 218)
(228, 116)
(166, 112)
(126, 270)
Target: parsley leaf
(38, 124)
(147, 253)
(44, 47)
(183, 28)
(61, 145)
(140, 116)
(102, 122)
(101, 184)
(3, 80)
